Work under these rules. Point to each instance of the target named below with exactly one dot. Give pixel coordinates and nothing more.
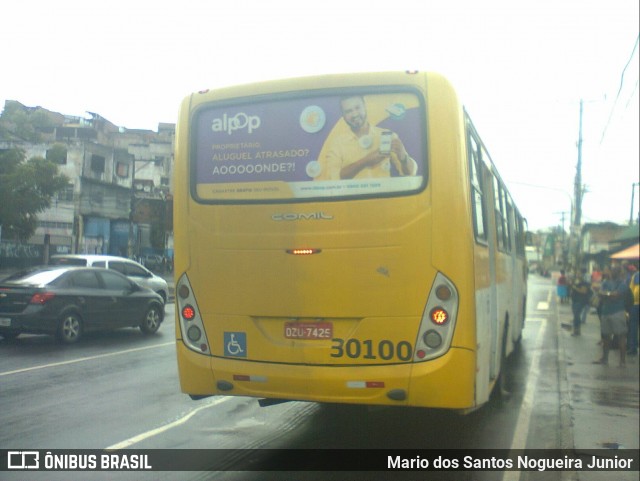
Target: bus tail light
(191, 326)
(188, 313)
(438, 320)
(439, 316)
(432, 339)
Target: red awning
(632, 252)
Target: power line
(635, 89)
(635, 46)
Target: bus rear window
(322, 147)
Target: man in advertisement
(365, 151)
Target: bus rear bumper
(446, 382)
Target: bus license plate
(308, 330)
(5, 322)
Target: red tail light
(42, 298)
(188, 312)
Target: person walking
(580, 298)
(562, 288)
(614, 317)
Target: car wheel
(70, 328)
(152, 320)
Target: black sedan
(69, 301)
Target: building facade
(119, 197)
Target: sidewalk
(603, 399)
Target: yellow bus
(343, 239)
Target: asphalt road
(120, 390)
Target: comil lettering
(239, 121)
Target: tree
(26, 189)
(24, 122)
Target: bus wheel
(69, 328)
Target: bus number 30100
(386, 350)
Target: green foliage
(24, 123)
(26, 189)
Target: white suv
(134, 271)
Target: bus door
(492, 238)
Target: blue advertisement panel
(312, 147)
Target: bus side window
(477, 197)
(499, 209)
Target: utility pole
(132, 208)
(564, 240)
(574, 248)
(577, 188)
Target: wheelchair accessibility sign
(235, 344)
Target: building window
(97, 163)
(65, 195)
(122, 170)
(46, 224)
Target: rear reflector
(364, 384)
(243, 377)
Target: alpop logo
(23, 460)
(239, 121)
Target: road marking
(141, 437)
(82, 359)
(524, 418)
(542, 306)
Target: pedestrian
(562, 288)
(614, 318)
(634, 312)
(580, 298)
(586, 278)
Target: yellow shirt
(348, 148)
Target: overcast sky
(521, 69)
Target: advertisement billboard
(313, 147)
